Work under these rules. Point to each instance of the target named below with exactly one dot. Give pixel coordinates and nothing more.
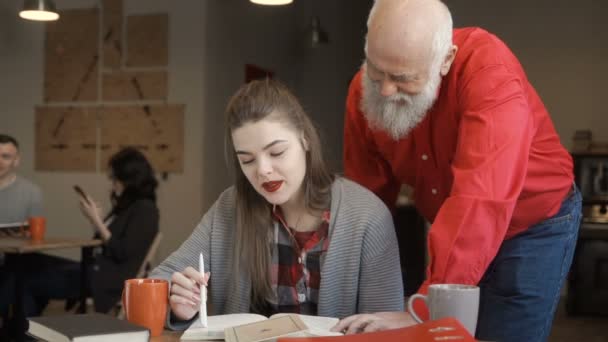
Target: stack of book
(82, 328)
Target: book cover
(445, 329)
(87, 327)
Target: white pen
(203, 309)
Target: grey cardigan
(361, 271)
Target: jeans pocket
(553, 220)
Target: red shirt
(485, 163)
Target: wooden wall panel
(157, 130)
(112, 33)
(147, 40)
(134, 86)
(72, 57)
(66, 139)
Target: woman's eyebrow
(265, 147)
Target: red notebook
(445, 329)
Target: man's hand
(374, 322)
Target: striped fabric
(359, 273)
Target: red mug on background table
(145, 303)
(37, 227)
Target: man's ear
(449, 58)
(17, 160)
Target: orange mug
(145, 303)
(37, 227)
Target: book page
(216, 325)
(317, 325)
(13, 229)
(14, 224)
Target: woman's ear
(304, 143)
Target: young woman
(288, 236)
(127, 232)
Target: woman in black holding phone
(127, 232)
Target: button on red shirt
(485, 163)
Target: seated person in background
(288, 236)
(19, 198)
(127, 232)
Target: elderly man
(452, 114)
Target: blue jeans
(521, 288)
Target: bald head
(409, 30)
(408, 51)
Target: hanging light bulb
(40, 10)
(272, 2)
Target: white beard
(399, 113)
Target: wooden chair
(146, 265)
(144, 269)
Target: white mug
(450, 300)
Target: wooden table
(20, 246)
(13, 245)
(168, 336)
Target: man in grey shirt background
(19, 198)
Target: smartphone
(81, 193)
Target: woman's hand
(373, 322)
(185, 293)
(91, 210)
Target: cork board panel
(147, 40)
(125, 86)
(65, 139)
(112, 33)
(71, 57)
(157, 130)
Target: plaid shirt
(296, 266)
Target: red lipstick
(272, 186)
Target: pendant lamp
(272, 2)
(40, 10)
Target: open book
(249, 327)
(13, 229)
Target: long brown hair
(253, 102)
